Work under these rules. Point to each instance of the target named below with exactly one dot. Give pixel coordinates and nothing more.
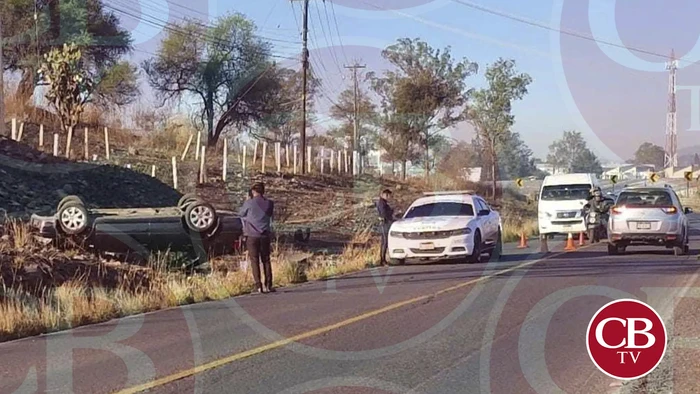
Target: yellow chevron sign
(519, 182)
(688, 175)
(654, 177)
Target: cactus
(70, 85)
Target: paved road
(514, 326)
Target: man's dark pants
(384, 228)
(259, 252)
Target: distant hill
(686, 155)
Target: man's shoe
(265, 289)
(258, 290)
(272, 290)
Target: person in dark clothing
(386, 216)
(256, 214)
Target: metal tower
(671, 150)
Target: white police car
(446, 225)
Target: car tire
(73, 218)
(475, 257)
(68, 199)
(613, 250)
(679, 250)
(200, 216)
(186, 200)
(397, 261)
(497, 252)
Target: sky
(585, 76)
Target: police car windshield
(565, 192)
(440, 209)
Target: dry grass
(77, 302)
(512, 229)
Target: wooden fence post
(21, 131)
(199, 144)
(345, 155)
(223, 170)
(153, 170)
(14, 129)
(174, 161)
(187, 147)
(379, 163)
(68, 142)
(41, 136)
(340, 168)
(279, 157)
(323, 159)
(295, 159)
(308, 159)
(55, 144)
(87, 150)
(202, 166)
(244, 156)
(286, 152)
(264, 153)
(107, 143)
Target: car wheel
(679, 250)
(497, 251)
(186, 200)
(73, 218)
(200, 216)
(613, 250)
(68, 199)
(475, 257)
(397, 261)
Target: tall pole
(305, 67)
(2, 86)
(355, 134)
(671, 149)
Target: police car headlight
(461, 231)
(396, 234)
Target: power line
(325, 37)
(567, 32)
(337, 29)
(171, 28)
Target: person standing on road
(256, 214)
(386, 215)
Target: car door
(486, 220)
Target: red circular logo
(626, 339)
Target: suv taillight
(616, 210)
(670, 210)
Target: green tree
(343, 111)
(491, 110)
(283, 123)
(515, 158)
(648, 153)
(571, 154)
(428, 90)
(232, 77)
(69, 85)
(85, 23)
(458, 159)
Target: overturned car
(193, 225)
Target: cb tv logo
(626, 339)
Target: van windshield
(566, 192)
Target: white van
(561, 202)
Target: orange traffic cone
(523, 241)
(570, 243)
(581, 241)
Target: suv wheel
(614, 249)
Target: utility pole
(305, 67)
(355, 136)
(2, 85)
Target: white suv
(648, 216)
(444, 225)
